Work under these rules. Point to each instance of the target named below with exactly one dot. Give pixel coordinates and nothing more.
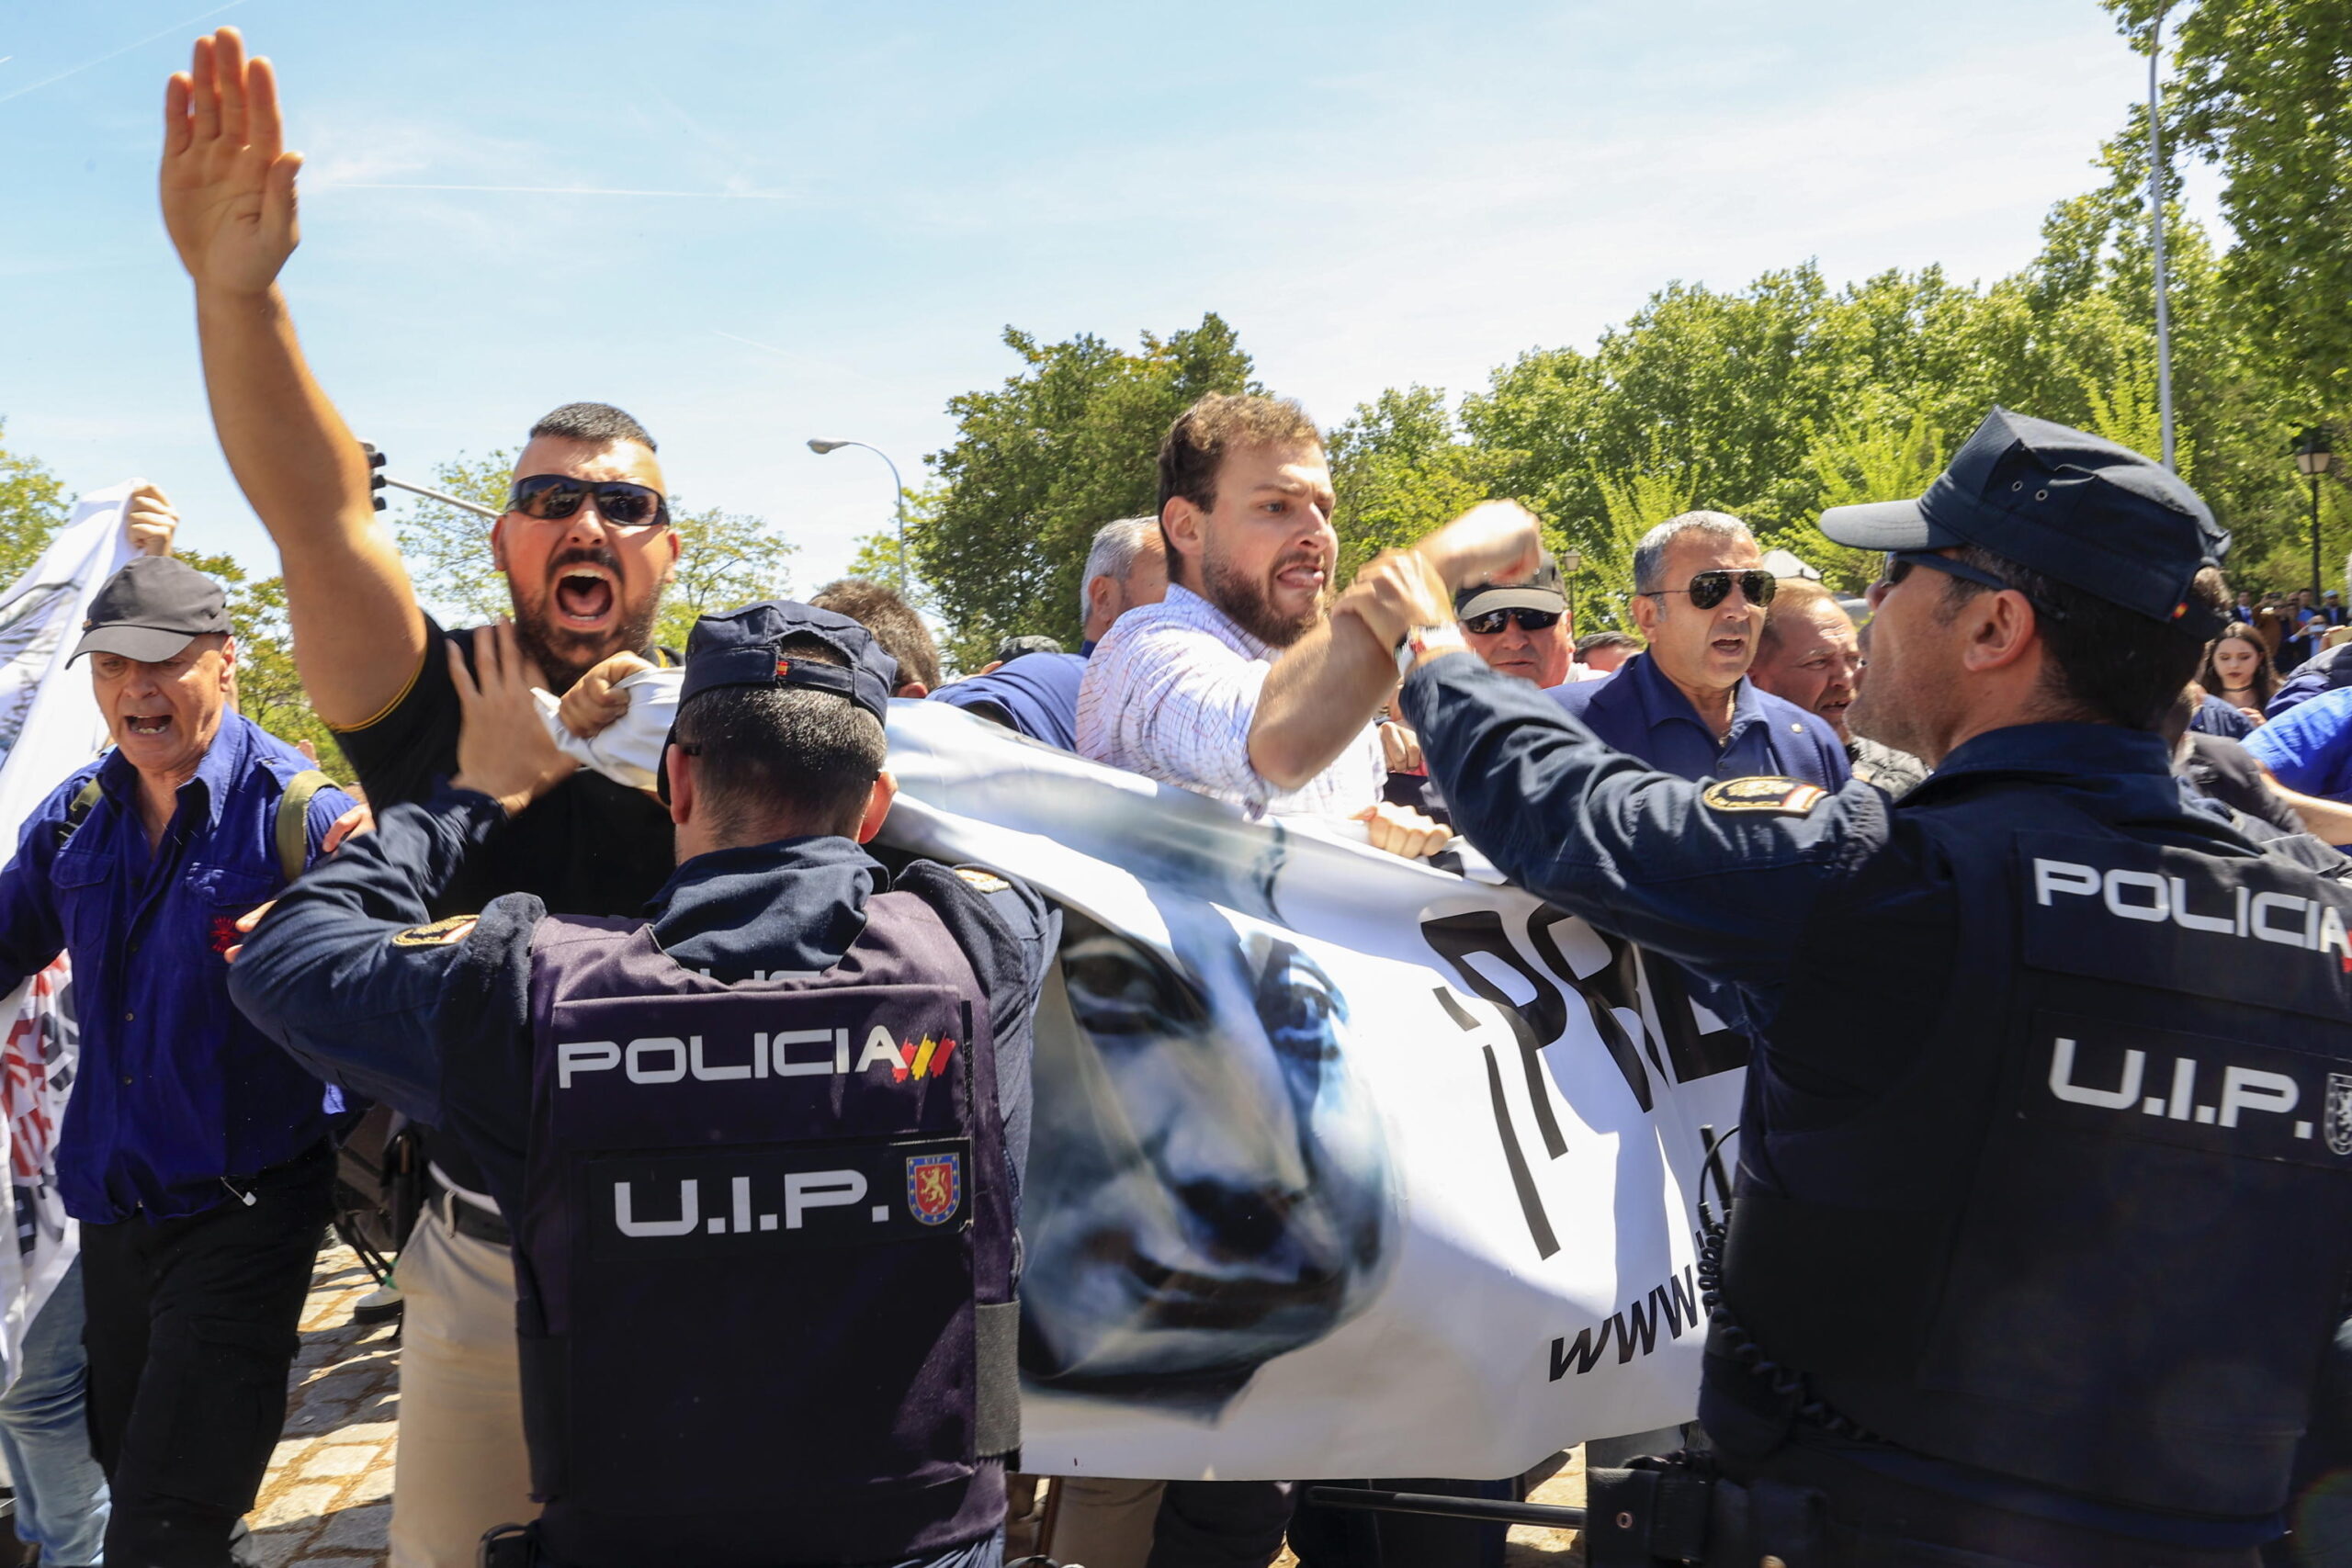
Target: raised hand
(150, 520)
(593, 706)
(227, 181)
(1494, 541)
(504, 748)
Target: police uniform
(2038, 1265)
(764, 1150)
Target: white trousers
(462, 1465)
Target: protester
(1905, 1183)
(1604, 653)
(2308, 746)
(1811, 655)
(877, 607)
(1522, 628)
(1220, 687)
(1037, 694)
(810, 1401)
(1685, 703)
(586, 546)
(194, 1154)
(2326, 670)
(2236, 672)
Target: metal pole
(1379, 1502)
(2315, 566)
(2156, 227)
(475, 507)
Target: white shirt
(1170, 693)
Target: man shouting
(586, 544)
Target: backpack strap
(293, 829)
(78, 809)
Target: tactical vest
(767, 1256)
(2099, 1235)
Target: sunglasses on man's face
(1494, 621)
(554, 496)
(1709, 589)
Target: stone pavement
(328, 1497)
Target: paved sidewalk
(328, 1497)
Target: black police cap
(151, 609)
(2073, 506)
(744, 647)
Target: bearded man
(1224, 686)
(586, 544)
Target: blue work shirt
(1643, 714)
(178, 1094)
(1035, 694)
(2328, 671)
(435, 1019)
(2310, 745)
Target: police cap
(744, 647)
(2074, 507)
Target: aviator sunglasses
(554, 496)
(1493, 621)
(1709, 589)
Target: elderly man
(1036, 694)
(1685, 704)
(194, 1152)
(1522, 629)
(1811, 656)
(1225, 686)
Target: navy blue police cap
(2073, 506)
(744, 647)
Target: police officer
(764, 1148)
(2036, 1266)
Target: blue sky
(751, 225)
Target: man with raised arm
(586, 546)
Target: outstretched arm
(228, 195)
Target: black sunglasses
(1493, 621)
(1709, 589)
(554, 496)
(1900, 562)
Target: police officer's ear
(878, 807)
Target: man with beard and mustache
(1222, 687)
(585, 545)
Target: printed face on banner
(1210, 1184)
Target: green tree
(33, 506)
(1398, 471)
(725, 558)
(269, 690)
(877, 560)
(1064, 445)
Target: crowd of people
(552, 972)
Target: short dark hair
(1195, 446)
(877, 607)
(2109, 664)
(597, 424)
(769, 754)
(1591, 641)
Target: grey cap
(151, 609)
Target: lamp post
(2156, 232)
(2312, 457)
(897, 490)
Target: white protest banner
(1342, 1165)
(50, 724)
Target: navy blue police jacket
(1898, 979)
(351, 974)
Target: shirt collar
(1661, 700)
(225, 761)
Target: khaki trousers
(1103, 1522)
(462, 1466)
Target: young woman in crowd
(2238, 670)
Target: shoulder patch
(440, 933)
(1781, 797)
(981, 881)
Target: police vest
(2099, 1235)
(768, 1314)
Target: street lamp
(897, 490)
(2312, 455)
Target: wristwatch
(1442, 636)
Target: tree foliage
(1062, 447)
(269, 691)
(33, 506)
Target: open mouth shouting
(147, 725)
(586, 596)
